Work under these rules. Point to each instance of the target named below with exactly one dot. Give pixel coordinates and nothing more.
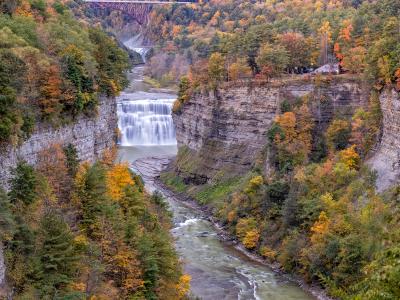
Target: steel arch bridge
(139, 9)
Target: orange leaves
(397, 75)
(345, 33)
(287, 122)
(183, 286)
(117, 178)
(350, 157)
(321, 226)
(52, 164)
(176, 30)
(50, 91)
(355, 60)
(295, 142)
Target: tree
(50, 92)
(338, 134)
(57, 254)
(216, 68)
(72, 160)
(297, 48)
(355, 60)
(238, 70)
(118, 178)
(24, 184)
(52, 164)
(112, 61)
(91, 194)
(274, 57)
(7, 219)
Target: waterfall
(146, 122)
(135, 43)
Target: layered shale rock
(386, 159)
(221, 133)
(90, 135)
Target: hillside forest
(317, 211)
(73, 229)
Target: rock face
(386, 159)
(224, 131)
(90, 135)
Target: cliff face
(90, 136)
(386, 159)
(226, 130)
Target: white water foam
(146, 122)
(188, 222)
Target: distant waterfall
(135, 43)
(146, 122)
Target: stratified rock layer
(227, 129)
(90, 135)
(386, 159)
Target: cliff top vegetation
(53, 67)
(232, 39)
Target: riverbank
(151, 168)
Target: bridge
(138, 9)
(144, 1)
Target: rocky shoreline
(150, 170)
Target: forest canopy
(265, 39)
(53, 67)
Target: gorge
(205, 150)
(217, 269)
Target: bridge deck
(141, 1)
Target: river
(219, 271)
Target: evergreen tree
(7, 221)
(23, 184)
(71, 155)
(57, 254)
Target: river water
(218, 270)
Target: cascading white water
(146, 122)
(135, 43)
(144, 118)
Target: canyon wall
(90, 135)
(386, 159)
(224, 131)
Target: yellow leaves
(183, 286)
(320, 228)
(254, 184)
(384, 69)
(247, 232)
(109, 156)
(268, 253)
(350, 157)
(251, 239)
(80, 176)
(81, 240)
(115, 87)
(117, 178)
(239, 69)
(78, 286)
(326, 31)
(287, 122)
